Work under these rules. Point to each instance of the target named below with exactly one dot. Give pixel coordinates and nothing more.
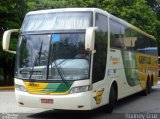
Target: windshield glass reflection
(52, 57)
(67, 52)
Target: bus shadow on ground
(59, 114)
(99, 113)
(133, 99)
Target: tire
(112, 100)
(148, 88)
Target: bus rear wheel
(148, 88)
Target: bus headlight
(20, 87)
(80, 89)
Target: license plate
(47, 101)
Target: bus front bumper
(77, 101)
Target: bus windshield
(57, 21)
(52, 56)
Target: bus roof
(61, 10)
(92, 10)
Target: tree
(11, 15)
(155, 4)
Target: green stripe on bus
(57, 87)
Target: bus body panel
(77, 101)
(99, 94)
(137, 75)
(116, 72)
(147, 68)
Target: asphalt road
(132, 107)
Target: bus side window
(117, 32)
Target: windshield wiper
(60, 72)
(37, 57)
(40, 51)
(50, 59)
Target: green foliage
(136, 12)
(46, 4)
(11, 15)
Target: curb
(6, 87)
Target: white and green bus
(80, 59)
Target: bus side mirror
(90, 38)
(6, 40)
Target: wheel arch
(115, 85)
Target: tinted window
(150, 46)
(117, 33)
(100, 57)
(128, 40)
(144, 44)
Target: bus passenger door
(98, 73)
(99, 61)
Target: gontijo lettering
(144, 60)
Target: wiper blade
(50, 60)
(31, 73)
(60, 72)
(37, 57)
(40, 51)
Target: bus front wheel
(112, 100)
